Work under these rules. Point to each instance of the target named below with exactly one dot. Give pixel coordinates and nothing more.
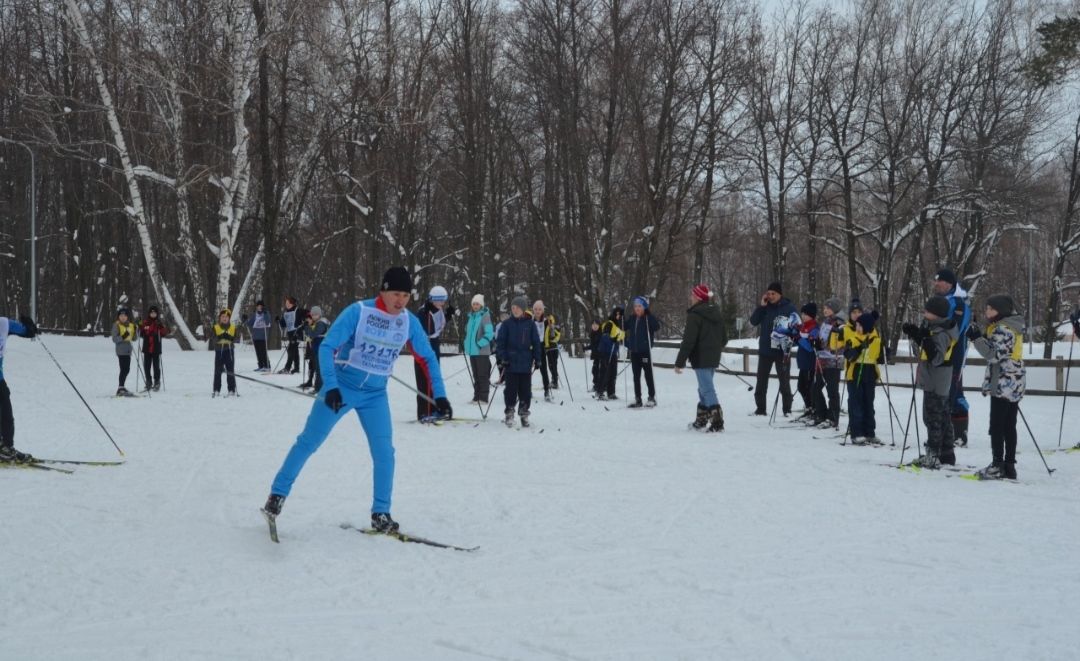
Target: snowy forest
(198, 154)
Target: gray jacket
(123, 342)
(935, 376)
(1002, 347)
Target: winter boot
(928, 460)
(9, 455)
(716, 418)
(548, 397)
(273, 505)
(1010, 470)
(650, 403)
(947, 457)
(381, 522)
(994, 471)
(635, 405)
(702, 418)
(508, 418)
(523, 414)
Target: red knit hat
(702, 292)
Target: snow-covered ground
(604, 533)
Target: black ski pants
(641, 362)
(481, 370)
(1003, 429)
(766, 361)
(125, 368)
(518, 391)
(7, 419)
(223, 362)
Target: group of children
(852, 346)
(637, 334)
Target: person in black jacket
(518, 350)
(702, 344)
(434, 316)
(775, 317)
(640, 330)
(594, 353)
(152, 330)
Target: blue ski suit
(341, 353)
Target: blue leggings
(373, 409)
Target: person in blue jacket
(641, 329)
(24, 327)
(518, 350)
(775, 318)
(366, 339)
(479, 338)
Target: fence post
(1059, 375)
(746, 362)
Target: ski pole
(83, 399)
(274, 385)
(468, 368)
(911, 410)
(418, 393)
(727, 369)
(566, 377)
(776, 400)
(1065, 395)
(1049, 471)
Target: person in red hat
(703, 341)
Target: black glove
(333, 400)
(442, 404)
(29, 325)
(839, 333)
(973, 332)
(930, 348)
(450, 310)
(851, 353)
(536, 365)
(916, 333)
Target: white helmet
(438, 294)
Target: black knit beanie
(397, 278)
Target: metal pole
(1031, 294)
(33, 226)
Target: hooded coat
(704, 337)
(1003, 348)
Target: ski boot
(650, 403)
(123, 392)
(635, 405)
(508, 418)
(524, 415)
(548, 397)
(928, 460)
(701, 420)
(716, 418)
(273, 505)
(1010, 470)
(994, 471)
(9, 455)
(381, 522)
(947, 457)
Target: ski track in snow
(613, 535)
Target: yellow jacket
(869, 347)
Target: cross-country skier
(314, 330)
(947, 285)
(641, 329)
(291, 323)
(1002, 345)
(123, 334)
(259, 328)
(152, 331)
(24, 327)
(479, 341)
(224, 337)
(518, 349)
(367, 338)
(433, 316)
(937, 339)
(550, 334)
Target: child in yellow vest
(123, 335)
(1002, 345)
(862, 350)
(935, 339)
(224, 336)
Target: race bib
(378, 341)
